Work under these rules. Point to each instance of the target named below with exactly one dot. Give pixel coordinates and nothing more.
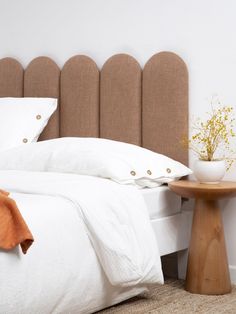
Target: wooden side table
(207, 270)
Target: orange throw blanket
(13, 229)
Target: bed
(121, 102)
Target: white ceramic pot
(211, 172)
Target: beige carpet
(172, 298)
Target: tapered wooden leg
(207, 270)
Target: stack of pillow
(121, 162)
(22, 121)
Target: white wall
(202, 32)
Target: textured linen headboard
(121, 101)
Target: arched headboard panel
(41, 79)
(165, 105)
(11, 78)
(146, 107)
(120, 99)
(79, 114)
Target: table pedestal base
(207, 271)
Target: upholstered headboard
(146, 107)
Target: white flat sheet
(161, 202)
(74, 266)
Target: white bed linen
(23, 119)
(62, 273)
(161, 202)
(121, 162)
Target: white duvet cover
(94, 245)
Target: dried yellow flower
(210, 139)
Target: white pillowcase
(121, 162)
(23, 119)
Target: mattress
(161, 202)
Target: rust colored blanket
(13, 229)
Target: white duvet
(94, 245)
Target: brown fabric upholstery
(152, 112)
(41, 79)
(165, 105)
(120, 101)
(79, 114)
(11, 78)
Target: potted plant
(210, 139)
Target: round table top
(194, 189)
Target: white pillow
(121, 162)
(23, 119)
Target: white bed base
(173, 235)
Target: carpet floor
(172, 298)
